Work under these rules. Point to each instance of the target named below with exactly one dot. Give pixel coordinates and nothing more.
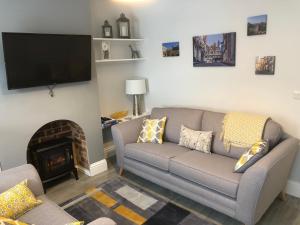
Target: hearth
(53, 159)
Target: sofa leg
(121, 171)
(282, 196)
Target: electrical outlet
(296, 95)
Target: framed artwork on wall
(257, 25)
(170, 49)
(214, 50)
(265, 65)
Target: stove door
(55, 162)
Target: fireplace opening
(57, 149)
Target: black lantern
(123, 26)
(107, 30)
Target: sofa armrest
(125, 133)
(262, 182)
(11, 177)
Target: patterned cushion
(152, 131)
(198, 140)
(6, 221)
(76, 223)
(17, 201)
(256, 152)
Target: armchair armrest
(262, 182)
(125, 133)
(103, 221)
(11, 177)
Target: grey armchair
(48, 213)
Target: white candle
(107, 33)
(124, 30)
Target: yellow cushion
(152, 131)
(255, 153)
(17, 201)
(5, 221)
(76, 223)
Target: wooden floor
(280, 213)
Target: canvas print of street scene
(257, 25)
(170, 49)
(214, 50)
(265, 65)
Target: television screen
(45, 59)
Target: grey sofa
(48, 213)
(208, 178)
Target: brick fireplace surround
(60, 129)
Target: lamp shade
(135, 87)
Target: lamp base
(136, 105)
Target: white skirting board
(293, 188)
(95, 168)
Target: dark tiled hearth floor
(280, 213)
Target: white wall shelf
(119, 39)
(119, 60)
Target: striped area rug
(128, 204)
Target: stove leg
(121, 171)
(75, 172)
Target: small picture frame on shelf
(123, 26)
(105, 47)
(107, 30)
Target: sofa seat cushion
(48, 213)
(210, 170)
(157, 155)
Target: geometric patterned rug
(128, 204)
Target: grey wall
(22, 112)
(175, 82)
(224, 88)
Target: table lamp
(136, 88)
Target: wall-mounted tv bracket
(51, 90)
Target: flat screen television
(45, 59)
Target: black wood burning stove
(53, 159)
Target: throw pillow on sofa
(7, 221)
(255, 153)
(152, 131)
(76, 223)
(17, 201)
(197, 140)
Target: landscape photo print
(214, 50)
(257, 25)
(265, 65)
(170, 49)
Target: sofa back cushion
(176, 117)
(213, 121)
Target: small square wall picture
(265, 65)
(257, 25)
(170, 49)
